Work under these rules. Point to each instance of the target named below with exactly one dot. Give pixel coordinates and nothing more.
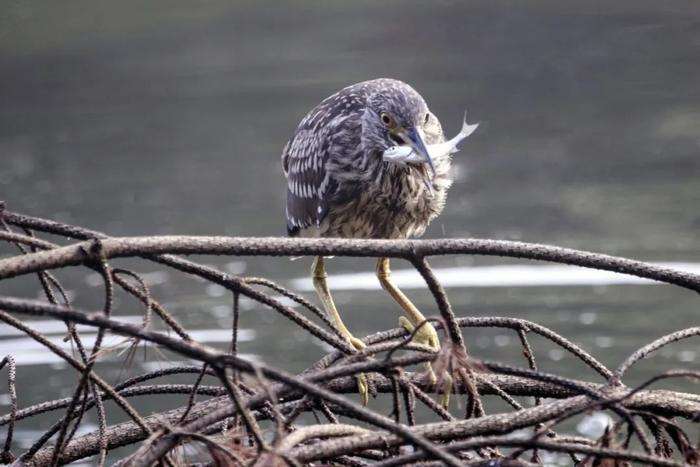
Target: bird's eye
(387, 120)
(427, 118)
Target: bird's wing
(328, 131)
(308, 185)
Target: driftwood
(251, 415)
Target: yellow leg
(426, 335)
(320, 279)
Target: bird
(339, 186)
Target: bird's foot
(427, 335)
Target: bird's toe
(425, 335)
(357, 343)
(363, 388)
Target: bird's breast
(392, 203)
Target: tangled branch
(250, 413)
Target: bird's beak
(414, 139)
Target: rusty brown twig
(271, 401)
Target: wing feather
(304, 161)
(329, 131)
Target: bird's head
(395, 115)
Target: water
(170, 118)
(493, 276)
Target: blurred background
(169, 117)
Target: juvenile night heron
(338, 184)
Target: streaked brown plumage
(338, 184)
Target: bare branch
(264, 415)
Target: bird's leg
(320, 280)
(426, 335)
